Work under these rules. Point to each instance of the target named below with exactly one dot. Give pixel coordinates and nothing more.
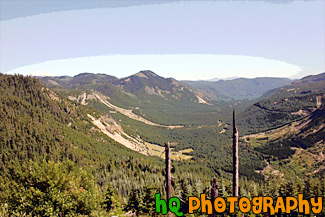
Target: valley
(201, 127)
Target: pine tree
(109, 198)
(148, 205)
(134, 202)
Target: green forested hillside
(298, 146)
(284, 105)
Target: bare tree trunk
(168, 175)
(214, 195)
(235, 157)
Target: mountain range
(156, 109)
(151, 83)
(238, 88)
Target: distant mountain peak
(146, 74)
(84, 74)
(220, 79)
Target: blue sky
(182, 39)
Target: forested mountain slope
(284, 104)
(297, 147)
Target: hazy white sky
(182, 39)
